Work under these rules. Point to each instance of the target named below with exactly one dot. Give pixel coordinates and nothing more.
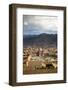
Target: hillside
(42, 40)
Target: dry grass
(45, 62)
(35, 67)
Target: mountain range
(41, 40)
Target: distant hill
(42, 40)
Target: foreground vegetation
(39, 60)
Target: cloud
(40, 24)
(25, 23)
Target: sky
(38, 24)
